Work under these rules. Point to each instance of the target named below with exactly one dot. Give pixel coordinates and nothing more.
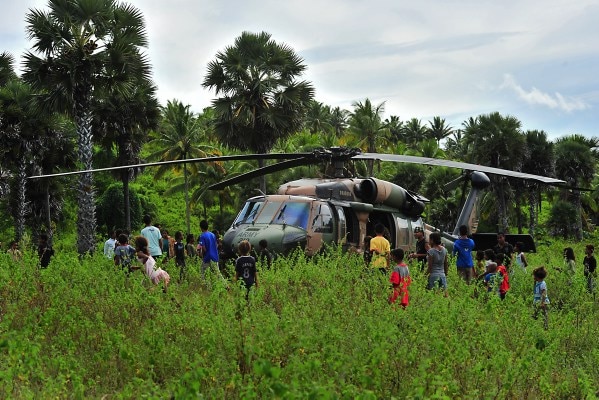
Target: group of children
(125, 255)
(490, 272)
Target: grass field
(317, 328)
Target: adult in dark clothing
(422, 248)
(504, 247)
(44, 251)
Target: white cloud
(535, 96)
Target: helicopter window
(248, 213)
(294, 213)
(323, 222)
(342, 225)
(267, 213)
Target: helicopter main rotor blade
(273, 156)
(269, 169)
(457, 164)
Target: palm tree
(124, 121)
(179, 136)
(413, 132)
(318, 118)
(85, 46)
(438, 129)
(338, 121)
(261, 99)
(395, 126)
(19, 128)
(539, 160)
(496, 141)
(7, 72)
(576, 158)
(367, 126)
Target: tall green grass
(318, 328)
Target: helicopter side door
(322, 228)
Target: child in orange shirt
(400, 278)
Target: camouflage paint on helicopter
(308, 213)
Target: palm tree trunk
(578, 206)
(48, 216)
(126, 200)
(532, 211)
(86, 214)
(21, 199)
(187, 210)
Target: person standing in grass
(380, 248)
(245, 267)
(480, 266)
(463, 247)
(124, 253)
(265, 255)
(179, 250)
(156, 275)
(14, 251)
(540, 299)
(437, 263)
(502, 274)
(400, 279)
(208, 249)
(44, 251)
(520, 257)
(590, 267)
(152, 235)
(492, 279)
(570, 261)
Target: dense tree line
(86, 100)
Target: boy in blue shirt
(463, 248)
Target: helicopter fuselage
(311, 213)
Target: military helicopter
(341, 208)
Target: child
(540, 300)
(504, 283)
(44, 251)
(590, 266)
(179, 250)
(245, 267)
(570, 261)
(265, 255)
(400, 278)
(492, 279)
(123, 253)
(437, 263)
(480, 267)
(190, 246)
(520, 258)
(156, 275)
(380, 248)
(14, 251)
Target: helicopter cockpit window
(268, 212)
(248, 213)
(323, 221)
(294, 214)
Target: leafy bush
(562, 219)
(110, 208)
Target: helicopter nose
(279, 240)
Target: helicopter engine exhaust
(376, 191)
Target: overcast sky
(535, 60)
